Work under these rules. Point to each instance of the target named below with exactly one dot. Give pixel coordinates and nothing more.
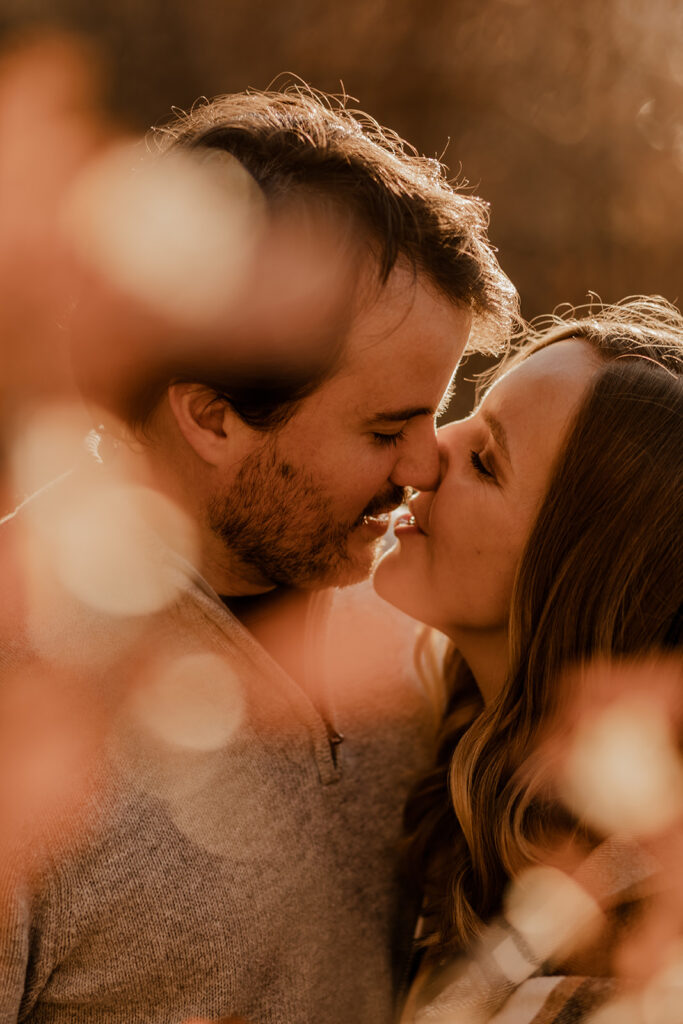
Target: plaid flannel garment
(504, 980)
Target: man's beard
(275, 520)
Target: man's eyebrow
(396, 415)
(498, 432)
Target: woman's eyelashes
(479, 466)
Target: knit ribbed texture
(255, 876)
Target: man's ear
(202, 418)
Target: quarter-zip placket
(326, 738)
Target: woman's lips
(406, 523)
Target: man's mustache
(387, 501)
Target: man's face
(310, 501)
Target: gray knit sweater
(252, 872)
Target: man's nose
(419, 463)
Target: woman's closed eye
(479, 466)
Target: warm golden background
(567, 115)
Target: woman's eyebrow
(498, 432)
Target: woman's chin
(385, 581)
(393, 583)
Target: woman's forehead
(554, 367)
(542, 392)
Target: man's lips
(381, 515)
(378, 523)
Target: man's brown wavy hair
(300, 145)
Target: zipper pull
(335, 739)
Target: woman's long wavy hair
(600, 576)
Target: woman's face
(455, 561)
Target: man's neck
(277, 619)
(228, 575)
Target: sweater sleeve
(14, 943)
